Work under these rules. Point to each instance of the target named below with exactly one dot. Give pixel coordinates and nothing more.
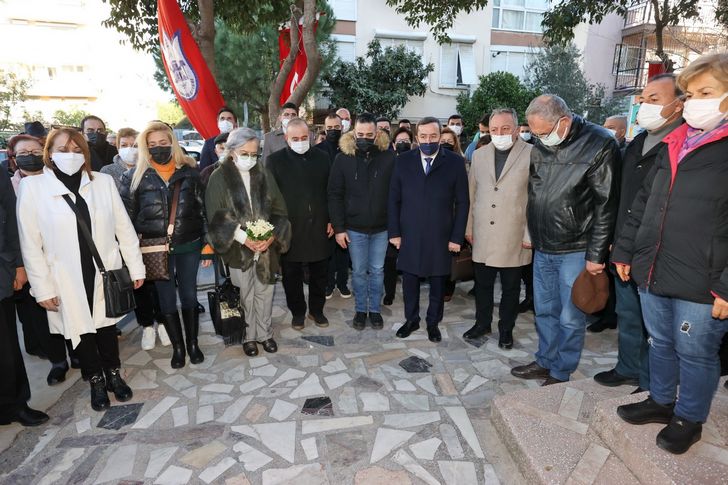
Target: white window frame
(516, 49)
(352, 17)
(468, 71)
(525, 11)
(343, 38)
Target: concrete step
(570, 433)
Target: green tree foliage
(557, 70)
(170, 112)
(439, 15)
(380, 82)
(71, 117)
(13, 90)
(496, 90)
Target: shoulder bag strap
(173, 212)
(86, 234)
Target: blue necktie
(428, 161)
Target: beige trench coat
(497, 219)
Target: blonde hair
(716, 64)
(456, 146)
(178, 156)
(125, 133)
(74, 136)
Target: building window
(412, 45)
(344, 9)
(511, 59)
(519, 15)
(345, 47)
(457, 65)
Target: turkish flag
(299, 65)
(191, 79)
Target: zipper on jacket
(662, 227)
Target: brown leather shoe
(551, 380)
(530, 371)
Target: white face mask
(68, 162)
(553, 138)
(525, 136)
(457, 129)
(502, 142)
(225, 126)
(704, 114)
(649, 116)
(129, 155)
(345, 125)
(300, 147)
(284, 124)
(245, 162)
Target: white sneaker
(148, 337)
(163, 337)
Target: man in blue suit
(428, 212)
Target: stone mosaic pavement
(333, 406)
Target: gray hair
(505, 111)
(620, 118)
(296, 122)
(237, 138)
(549, 107)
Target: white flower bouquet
(259, 230)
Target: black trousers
(98, 351)
(527, 277)
(36, 333)
(293, 286)
(390, 275)
(338, 267)
(484, 287)
(411, 295)
(14, 386)
(147, 304)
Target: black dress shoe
(75, 363)
(639, 390)
(200, 308)
(99, 397)
(406, 329)
(612, 378)
(360, 321)
(551, 380)
(601, 325)
(647, 411)
(57, 374)
(530, 371)
(505, 339)
(433, 334)
(297, 322)
(26, 416)
(114, 383)
(678, 436)
(376, 320)
(319, 320)
(477, 331)
(269, 346)
(388, 300)
(250, 349)
(525, 306)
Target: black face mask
(486, 138)
(30, 163)
(161, 155)
(449, 146)
(333, 136)
(96, 139)
(403, 146)
(364, 145)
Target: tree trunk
(312, 53)
(279, 82)
(264, 119)
(661, 16)
(206, 32)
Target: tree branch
(312, 53)
(279, 82)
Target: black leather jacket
(573, 192)
(150, 204)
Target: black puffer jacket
(573, 192)
(676, 237)
(359, 186)
(150, 204)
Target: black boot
(191, 320)
(115, 384)
(174, 330)
(99, 398)
(505, 337)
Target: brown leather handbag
(155, 250)
(462, 264)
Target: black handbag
(225, 312)
(118, 286)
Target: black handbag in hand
(225, 312)
(118, 286)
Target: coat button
(496, 189)
(629, 211)
(493, 206)
(492, 222)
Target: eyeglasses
(100, 131)
(545, 135)
(246, 154)
(25, 153)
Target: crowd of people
(541, 200)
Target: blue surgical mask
(429, 149)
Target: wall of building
(597, 43)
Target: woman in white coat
(59, 262)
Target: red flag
(191, 79)
(299, 65)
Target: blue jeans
(560, 325)
(367, 253)
(633, 358)
(185, 267)
(684, 343)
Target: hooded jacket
(359, 186)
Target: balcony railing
(639, 15)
